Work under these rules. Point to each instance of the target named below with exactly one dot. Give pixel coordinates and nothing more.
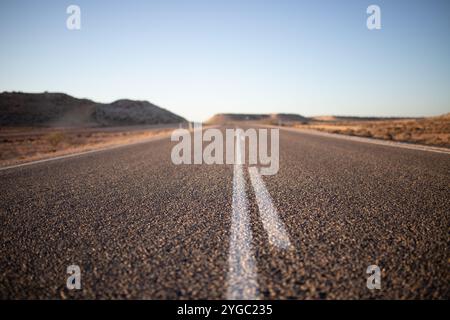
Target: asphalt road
(141, 227)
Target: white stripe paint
(268, 213)
(73, 155)
(396, 144)
(242, 281)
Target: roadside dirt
(20, 145)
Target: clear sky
(197, 58)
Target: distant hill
(59, 109)
(129, 112)
(274, 118)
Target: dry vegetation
(19, 145)
(433, 131)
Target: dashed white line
(268, 213)
(242, 281)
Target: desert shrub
(349, 132)
(364, 133)
(389, 136)
(406, 136)
(55, 138)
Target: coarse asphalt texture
(141, 227)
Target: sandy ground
(20, 145)
(429, 131)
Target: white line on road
(72, 155)
(242, 281)
(396, 144)
(272, 224)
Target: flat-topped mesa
(272, 118)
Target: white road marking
(396, 144)
(268, 213)
(72, 155)
(242, 281)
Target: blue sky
(198, 58)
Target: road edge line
(397, 144)
(71, 155)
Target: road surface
(141, 227)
